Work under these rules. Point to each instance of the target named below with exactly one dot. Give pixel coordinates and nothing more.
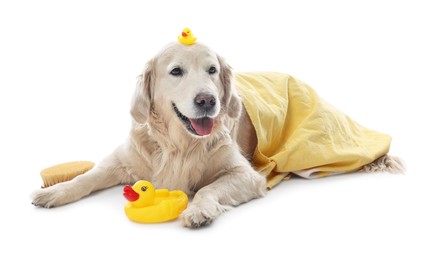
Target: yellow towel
(300, 133)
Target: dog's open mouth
(197, 126)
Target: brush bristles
(64, 172)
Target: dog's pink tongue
(202, 126)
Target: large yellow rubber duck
(147, 205)
(186, 37)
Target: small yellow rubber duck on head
(186, 37)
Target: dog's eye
(212, 70)
(176, 72)
(144, 188)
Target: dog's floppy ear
(231, 101)
(142, 97)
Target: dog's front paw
(201, 214)
(48, 197)
(193, 217)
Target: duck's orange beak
(130, 194)
(184, 34)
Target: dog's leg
(237, 186)
(385, 163)
(106, 174)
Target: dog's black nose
(204, 101)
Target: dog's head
(186, 86)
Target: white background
(67, 73)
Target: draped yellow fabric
(300, 133)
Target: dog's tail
(386, 163)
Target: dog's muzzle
(205, 106)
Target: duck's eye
(144, 188)
(212, 70)
(177, 72)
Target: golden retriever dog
(189, 132)
(183, 136)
